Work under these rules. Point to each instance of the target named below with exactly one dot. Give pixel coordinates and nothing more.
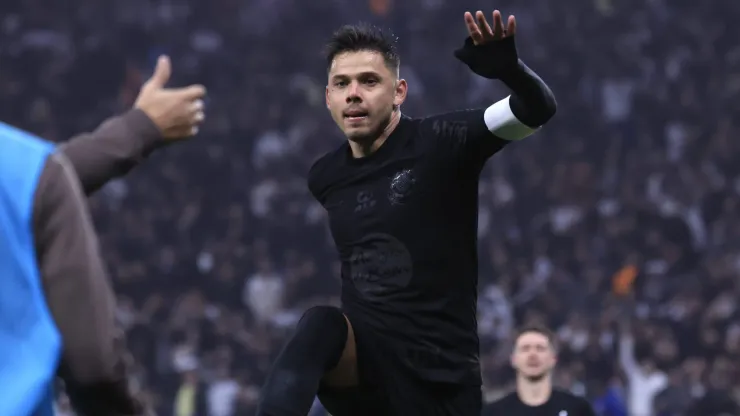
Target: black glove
(493, 60)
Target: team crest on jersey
(402, 185)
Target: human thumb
(161, 72)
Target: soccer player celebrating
(402, 199)
(533, 359)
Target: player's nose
(353, 98)
(353, 94)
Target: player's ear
(326, 94)
(400, 93)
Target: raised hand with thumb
(177, 112)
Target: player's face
(361, 94)
(533, 356)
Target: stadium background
(216, 246)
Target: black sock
(314, 349)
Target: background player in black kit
(533, 359)
(402, 199)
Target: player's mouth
(355, 116)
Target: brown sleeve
(111, 151)
(80, 296)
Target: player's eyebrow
(360, 75)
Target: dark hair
(538, 329)
(363, 37)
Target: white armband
(503, 123)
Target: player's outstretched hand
(480, 31)
(489, 52)
(177, 112)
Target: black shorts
(389, 389)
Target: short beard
(369, 137)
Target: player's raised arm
(160, 116)
(491, 53)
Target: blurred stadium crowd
(617, 224)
